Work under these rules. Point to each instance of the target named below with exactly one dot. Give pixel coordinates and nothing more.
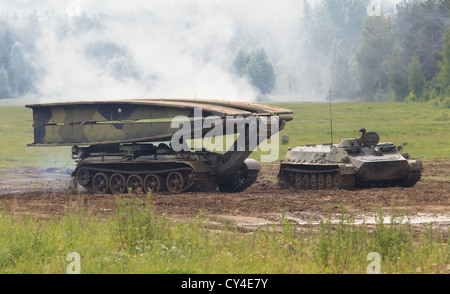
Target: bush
(411, 98)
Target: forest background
(289, 50)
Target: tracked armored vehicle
(349, 164)
(129, 144)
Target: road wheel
(152, 183)
(337, 181)
(320, 181)
(83, 177)
(134, 184)
(305, 179)
(298, 181)
(117, 184)
(313, 182)
(328, 181)
(175, 182)
(100, 183)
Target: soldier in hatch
(362, 132)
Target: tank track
(85, 176)
(412, 178)
(239, 183)
(316, 180)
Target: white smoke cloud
(169, 48)
(178, 48)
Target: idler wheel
(83, 176)
(240, 180)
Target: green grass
(16, 132)
(136, 240)
(422, 125)
(419, 124)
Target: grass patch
(436, 178)
(16, 132)
(136, 240)
(420, 124)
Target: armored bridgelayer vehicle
(129, 144)
(349, 164)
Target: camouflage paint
(133, 120)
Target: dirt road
(44, 193)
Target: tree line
(402, 55)
(411, 52)
(18, 74)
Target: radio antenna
(331, 123)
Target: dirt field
(44, 193)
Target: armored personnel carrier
(349, 164)
(128, 144)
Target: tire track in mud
(45, 193)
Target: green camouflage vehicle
(128, 144)
(349, 164)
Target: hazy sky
(103, 6)
(177, 48)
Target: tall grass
(136, 240)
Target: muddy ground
(44, 193)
